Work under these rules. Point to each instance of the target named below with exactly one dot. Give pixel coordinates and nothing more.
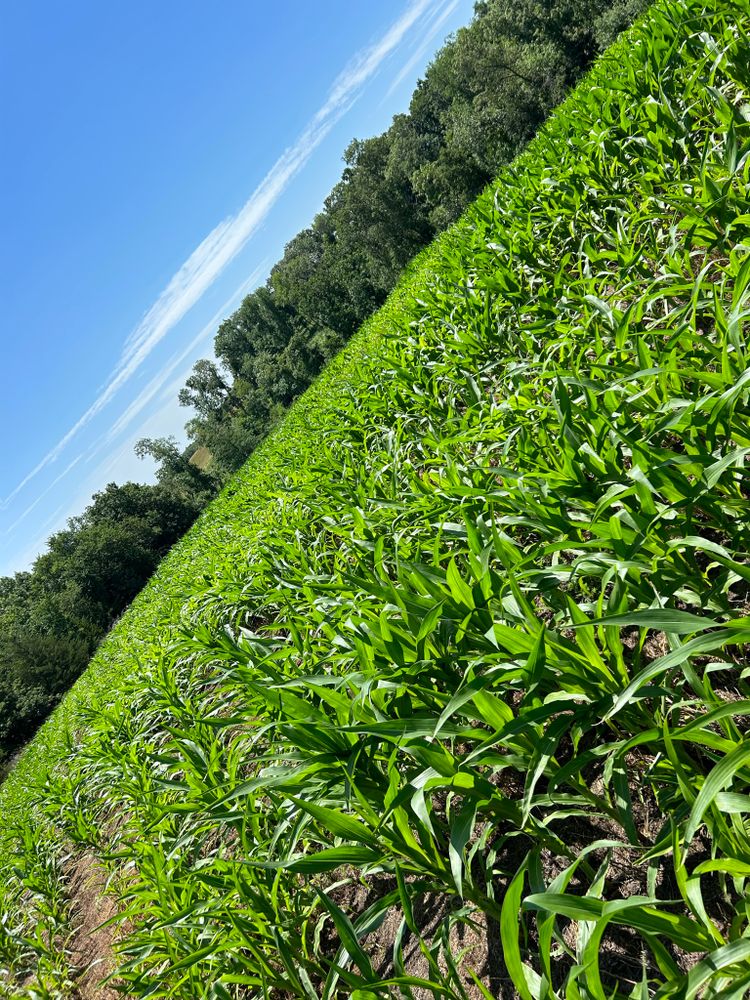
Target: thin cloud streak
(31, 553)
(25, 513)
(226, 240)
(436, 22)
(364, 65)
(146, 395)
(93, 481)
(157, 382)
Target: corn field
(447, 695)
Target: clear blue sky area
(156, 157)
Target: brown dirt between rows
(477, 948)
(474, 947)
(91, 944)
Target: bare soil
(91, 944)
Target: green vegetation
(482, 99)
(53, 617)
(447, 691)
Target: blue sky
(156, 159)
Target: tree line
(483, 97)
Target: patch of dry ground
(91, 944)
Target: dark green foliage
(184, 488)
(52, 618)
(206, 391)
(259, 327)
(35, 670)
(94, 567)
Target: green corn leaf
(644, 917)
(509, 930)
(340, 824)
(716, 781)
(663, 619)
(347, 935)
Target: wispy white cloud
(365, 64)
(30, 553)
(45, 492)
(155, 387)
(227, 239)
(436, 22)
(118, 463)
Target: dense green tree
(229, 438)
(184, 488)
(376, 214)
(206, 390)
(52, 617)
(260, 326)
(323, 288)
(34, 672)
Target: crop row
(447, 696)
